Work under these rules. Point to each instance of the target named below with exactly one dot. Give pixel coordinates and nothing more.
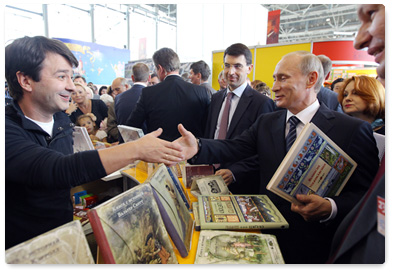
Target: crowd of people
(240, 128)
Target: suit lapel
(277, 132)
(216, 104)
(242, 106)
(322, 118)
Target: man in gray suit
(199, 74)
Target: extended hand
(187, 141)
(313, 208)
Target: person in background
(154, 79)
(81, 80)
(103, 90)
(297, 79)
(199, 74)
(325, 95)
(40, 167)
(255, 83)
(81, 104)
(246, 105)
(171, 101)
(360, 238)
(263, 89)
(364, 97)
(336, 85)
(89, 122)
(222, 81)
(126, 102)
(119, 85)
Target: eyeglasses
(236, 66)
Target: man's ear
(24, 81)
(312, 79)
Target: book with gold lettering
(129, 229)
(313, 165)
(66, 244)
(239, 212)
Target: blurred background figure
(336, 85)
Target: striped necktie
(290, 139)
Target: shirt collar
(239, 90)
(306, 115)
(140, 83)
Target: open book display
(82, 141)
(230, 247)
(313, 165)
(178, 221)
(239, 212)
(129, 229)
(66, 244)
(129, 133)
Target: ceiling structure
(303, 22)
(300, 22)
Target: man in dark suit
(172, 101)
(126, 101)
(246, 106)
(325, 95)
(360, 237)
(297, 78)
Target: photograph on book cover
(229, 247)
(135, 230)
(305, 174)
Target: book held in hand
(313, 165)
(176, 217)
(230, 247)
(66, 244)
(129, 229)
(239, 212)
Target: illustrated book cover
(313, 165)
(81, 139)
(66, 244)
(178, 221)
(180, 188)
(209, 185)
(129, 229)
(230, 247)
(129, 133)
(189, 172)
(239, 212)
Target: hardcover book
(180, 188)
(189, 172)
(209, 185)
(129, 229)
(230, 247)
(66, 244)
(313, 165)
(129, 133)
(81, 139)
(239, 212)
(178, 221)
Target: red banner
(273, 26)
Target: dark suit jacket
(329, 98)
(169, 103)
(303, 242)
(251, 105)
(363, 243)
(126, 102)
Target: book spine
(101, 238)
(178, 242)
(177, 185)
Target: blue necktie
(290, 139)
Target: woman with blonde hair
(364, 97)
(81, 104)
